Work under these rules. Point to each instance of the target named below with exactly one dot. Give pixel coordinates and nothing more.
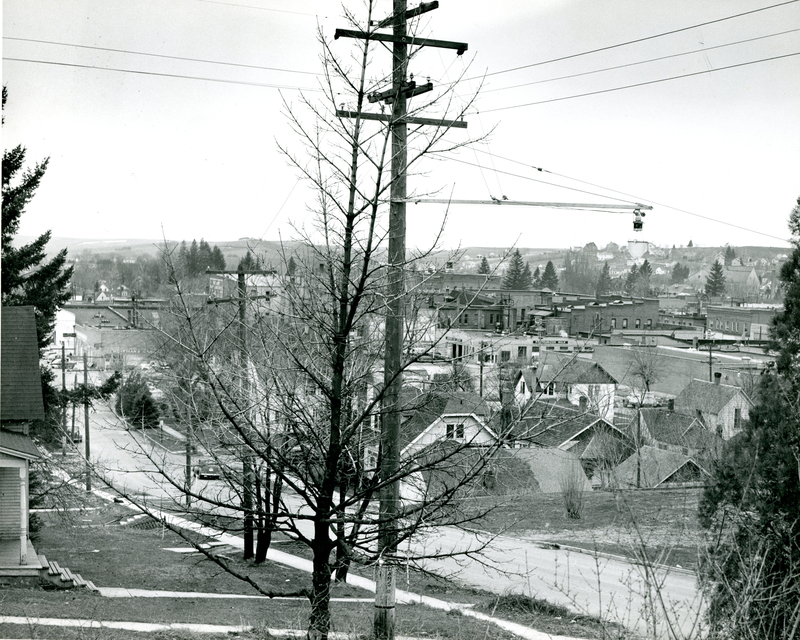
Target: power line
(633, 64)
(250, 6)
(165, 75)
(642, 84)
(552, 184)
(624, 44)
(629, 195)
(159, 55)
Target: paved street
(613, 588)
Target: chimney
(717, 377)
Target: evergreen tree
(632, 280)
(690, 244)
(513, 279)
(715, 282)
(643, 280)
(603, 281)
(483, 267)
(752, 502)
(27, 277)
(527, 279)
(135, 403)
(730, 255)
(537, 279)
(291, 266)
(217, 259)
(679, 273)
(550, 277)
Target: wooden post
(384, 620)
(86, 447)
(247, 470)
(23, 515)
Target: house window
(455, 431)
(505, 356)
(638, 323)
(491, 318)
(649, 323)
(549, 390)
(624, 323)
(613, 323)
(522, 353)
(465, 318)
(737, 419)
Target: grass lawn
(662, 523)
(93, 544)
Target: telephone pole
(401, 90)
(248, 479)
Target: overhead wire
(637, 40)
(165, 75)
(635, 198)
(633, 64)
(641, 84)
(162, 55)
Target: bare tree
(287, 396)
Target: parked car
(207, 470)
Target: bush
(135, 403)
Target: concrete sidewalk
(402, 597)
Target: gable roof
(422, 411)
(572, 371)
(679, 429)
(708, 397)
(552, 468)
(18, 445)
(551, 424)
(655, 467)
(20, 379)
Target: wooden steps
(62, 577)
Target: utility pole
(398, 120)
(248, 479)
(86, 447)
(63, 399)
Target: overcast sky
(187, 148)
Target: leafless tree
(285, 395)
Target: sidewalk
(402, 597)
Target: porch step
(62, 577)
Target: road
(611, 588)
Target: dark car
(208, 470)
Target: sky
(163, 118)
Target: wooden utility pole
(248, 479)
(86, 448)
(384, 619)
(393, 348)
(63, 400)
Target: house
(461, 417)
(671, 431)
(595, 441)
(721, 407)
(21, 391)
(582, 383)
(651, 468)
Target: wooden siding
(9, 503)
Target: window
(455, 431)
(505, 356)
(522, 353)
(737, 419)
(549, 390)
(613, 323)
(649, 323)
(638, 323)
(624, 323)
(491, 318)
